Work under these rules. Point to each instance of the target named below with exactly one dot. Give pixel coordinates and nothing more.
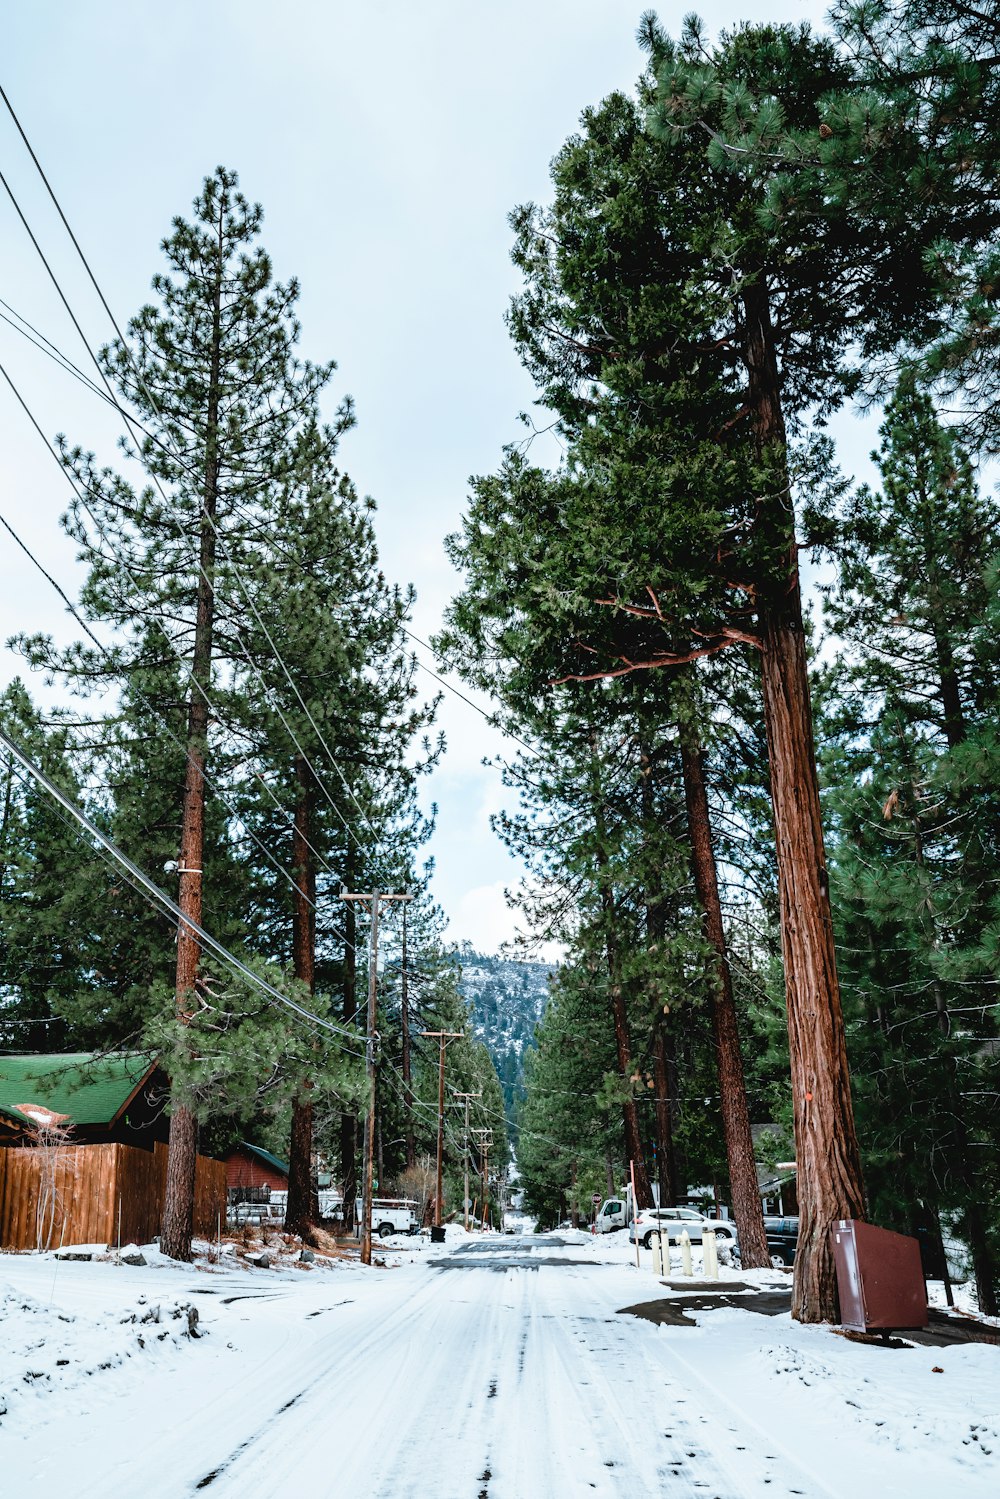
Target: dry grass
(325, 1243)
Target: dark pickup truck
(782, 1237)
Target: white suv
(673, 1221)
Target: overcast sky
(387, 143)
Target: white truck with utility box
(391, 1215)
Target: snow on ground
(490, 1367)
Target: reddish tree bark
(301, 1209)
(630, 1115)
(747, 1209)
(177, 1223)
(349, 1121)
(666, 1159)
(619, 1012)
(830, 1183)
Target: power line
(132, 423)
(53, 352)
(507, 733)
(166, 727)
(171, 644)
(160, 897)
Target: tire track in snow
(500, 1375)
(389, 1406)
(334, 1369)
(490, 1384)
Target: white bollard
(709, 1254)
(657, 1255)
(685, 1243)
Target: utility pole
(374, 898)
(443, 1037)
(467, 1096)
(485, 1141)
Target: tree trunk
(828, 1161)
(619, 1011)
(747, 1208)
(630, 1114)
(349, 1121)
(674, 1104)
(951, 697)
(404, 1015)
(178, 1204)
(301, 1211)
(665, 1158)
(656, 916)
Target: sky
(387, 142)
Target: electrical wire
(53, 352)
(161, 898)
(132, 426)
(171, 644)
(214, 787)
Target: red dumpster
(879, 1277)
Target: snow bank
(45, 1352)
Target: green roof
(87, 1088)
(266, 1156)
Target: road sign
(596, 1198)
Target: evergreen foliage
(909, 718)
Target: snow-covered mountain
(508, 999)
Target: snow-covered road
(497, 1369)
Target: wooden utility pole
(375, 899)
(443, 1038)
(485, 1141)
(466, 1096)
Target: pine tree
(49, 884)
(212, 373)
(679, 329)
(333, 746)
(910, 155)
(565, 1130)
(915, 856)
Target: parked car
(782, 1238)
(672, 1222)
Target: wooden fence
(78, 1194)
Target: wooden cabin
(83, 1152)
(250, 1166)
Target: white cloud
(483, 917)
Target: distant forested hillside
(508, 999)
